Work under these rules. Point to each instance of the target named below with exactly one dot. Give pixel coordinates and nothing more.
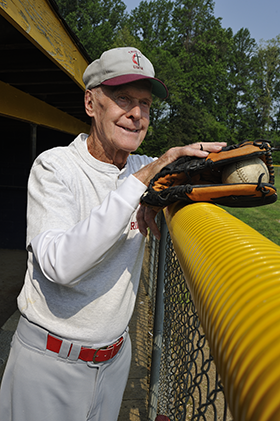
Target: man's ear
(89, 103)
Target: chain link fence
(184, 382)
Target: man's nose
(135, 112)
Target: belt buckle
(94, 355)
(110, 347)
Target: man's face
(121, 115)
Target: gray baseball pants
(40, 385)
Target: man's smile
(130, 130)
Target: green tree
(95, 22)
(124, 38)
(192, 18)
(266, 85)
(201, 47)
(151, 23)
(241, 114)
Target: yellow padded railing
(233, 274)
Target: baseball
(247, 171)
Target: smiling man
(71, 352)
(114, 134)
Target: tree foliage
(223, 86)
(95, 22)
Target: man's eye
(123, 98)
(146, 104)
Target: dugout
(41, 100)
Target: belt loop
(64, 349)
(74, 352)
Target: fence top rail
(233, 273)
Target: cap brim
(158, 87)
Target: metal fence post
(152, 264)
(158, 325)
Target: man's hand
(145, 215)
(201, 150)
(146, 219)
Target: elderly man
(70, 355)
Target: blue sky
(261, 17)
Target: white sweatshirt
(85, 251)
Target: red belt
(88, 354)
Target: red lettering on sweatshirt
(134, 226)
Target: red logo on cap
(136, 59)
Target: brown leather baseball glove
(192, 179)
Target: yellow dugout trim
(17, 104)
(233, 273)
(37, 21)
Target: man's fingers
(141, 221)
(208, 146)
(146, 218)
(150, 215)
(200, 150)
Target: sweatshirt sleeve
(66, 255)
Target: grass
(264, 219)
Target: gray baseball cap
(123, 65)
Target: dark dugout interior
(19, 145)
